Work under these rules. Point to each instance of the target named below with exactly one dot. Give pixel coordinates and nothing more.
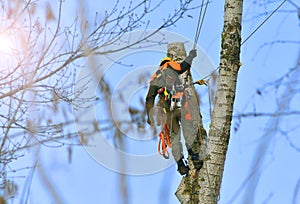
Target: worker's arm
(150, 98)
(186, 64)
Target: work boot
(183, 169)
(196, 160)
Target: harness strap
(164, 142)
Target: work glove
(193, 53)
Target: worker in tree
(173, 100)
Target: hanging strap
(164, 142)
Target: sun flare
(6, 43)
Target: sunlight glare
(6, 45)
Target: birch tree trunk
(205, 188)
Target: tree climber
(173, 100)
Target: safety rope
(200, 22)
(164, 142)
(252, 33)
(202, 81)
(264, 21)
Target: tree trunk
(205, 188)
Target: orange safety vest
(172, 64)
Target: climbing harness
(176, 98)
(164, 142)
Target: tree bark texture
(205, 188)
(219, 133)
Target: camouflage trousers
(176, 120)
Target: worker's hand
(193, 53)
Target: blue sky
(85, 180)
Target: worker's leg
(173, 122)
(191, 136)
(177, 151)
